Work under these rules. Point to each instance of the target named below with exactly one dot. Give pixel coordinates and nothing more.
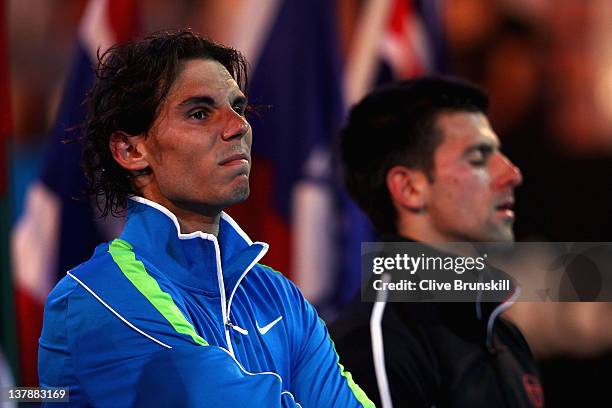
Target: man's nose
(236, 126)
(510, 175)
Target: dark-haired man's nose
(511, 175)
(236, 126)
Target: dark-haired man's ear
(127, 150)
(408, 188)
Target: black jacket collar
(469, 319)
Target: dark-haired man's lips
(505, 209)
(235, 160)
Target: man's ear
(409, 188)
(128, 151)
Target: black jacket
(440, 354)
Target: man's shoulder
(94, 287)
(514, 339)
(410, 364)
(100, 260)
(58, 297)
(398, 319)
(67, 285)
(267, 276)
(268, 271)
(353, 318)
(267, 285)
(353, 328)
(69, 304)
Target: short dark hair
(396, 125)
(132, 81)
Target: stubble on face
(191, 145)
(471, 195)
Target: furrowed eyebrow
(207, 100)
(197, 100)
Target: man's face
(471, 196)
(199, 147)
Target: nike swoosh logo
(267, 327)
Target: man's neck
(191, 222)
(418, 230)
(191, 218)
(435, 239)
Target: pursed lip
(234, 159)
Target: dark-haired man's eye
(199, 115)
(477, 159)
(240, 109)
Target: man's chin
(494, 233)
(503, 235)
(239, 194)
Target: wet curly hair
(132, 80)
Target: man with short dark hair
(178, 311)
(422, 161)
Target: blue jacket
(161, 318)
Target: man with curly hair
(178, 311)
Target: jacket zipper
(226, 307)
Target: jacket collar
(472, 319)
(196, 259)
